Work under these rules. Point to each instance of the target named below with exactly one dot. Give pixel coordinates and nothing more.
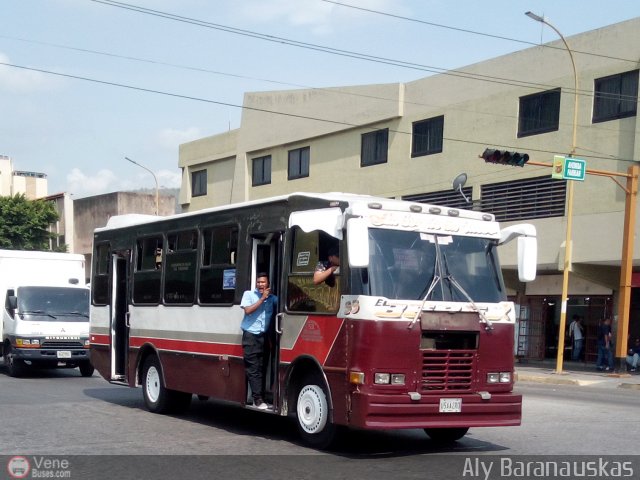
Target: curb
(558, 380)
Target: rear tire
(313, 415)
(157, 397)
(446, 435)
(86, 369)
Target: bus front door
(119, 317)
(267, 257)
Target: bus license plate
(64, 354)
(450, 405)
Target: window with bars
(444, 198)
(374, 147)
(427, 136)
(261, 172)
(539, 113)
(615, 96)
(539, 197)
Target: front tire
(446, 435)
(86, 369)
(14, 366)
(157, 397)
(313, 416)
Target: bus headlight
(382, 378)
(499, 377)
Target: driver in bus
(325, 270)
(259, 306)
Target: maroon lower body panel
(399, 411)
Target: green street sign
(568, 168)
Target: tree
(24, 224)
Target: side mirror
(13, 302)
(527, 258)
(358, 242)
(527, 249)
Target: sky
(86, 83)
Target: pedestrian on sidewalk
(634, 355)
(604, 339)
(576, 332)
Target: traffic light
(504, 157)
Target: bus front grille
(447, 371)
(55, 344)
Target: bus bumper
(376, 411)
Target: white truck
(45, 320)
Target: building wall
(477, 114)
(6, 175)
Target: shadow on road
(352, 443)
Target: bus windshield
(414, 266)
(54, 303)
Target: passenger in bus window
(326, 270)
(259, 306)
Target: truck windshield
(54, 303)
(409, 265)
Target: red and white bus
(415, 331)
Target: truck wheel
(86, 369)
(446, 435)
(157, 397)
(312, 413)
(13, 365)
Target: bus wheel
(312, 411)
(13, 365)
(86, 369)
(157, 397)
(446, 435)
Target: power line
(273, 112)
(473, 32)
(326, 49)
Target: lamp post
(567, 244)
(154, 178)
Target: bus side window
(302, 294)
(148, 275)
(218, 269)
(181, 267)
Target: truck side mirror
(12, 302)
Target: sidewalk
(574, 373)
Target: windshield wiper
(68, 314)
(437, 278)
(454, 282)
(37, 312)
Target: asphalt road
(58, 412)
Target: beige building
(32, 184)
(410, 140)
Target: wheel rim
(312, 409)
(152, 384)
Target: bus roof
(354, 200)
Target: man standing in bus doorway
(325, 270)
(259, 306)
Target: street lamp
(567, 249)
(154, 178)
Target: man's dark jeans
(253, 348)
